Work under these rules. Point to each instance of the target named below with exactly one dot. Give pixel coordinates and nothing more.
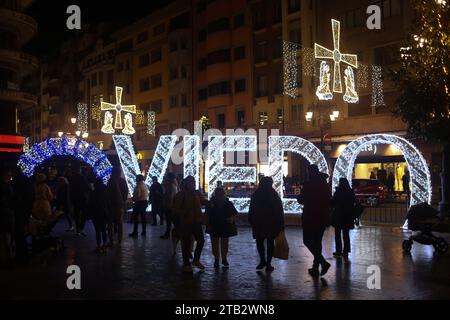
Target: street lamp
(85, 135)
(309, 116)
(78, 133)
(60, 133)
(73, 120)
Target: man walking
(156, 200)
(118, 195)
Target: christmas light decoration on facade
(278, 145)
(128, 160)
(323, 90)
(151, 123)
(377, 87)
(321, 53)
(309, 61)
(290, 68)
(118, 108)
(140, 117)
(191, 156)
(217, 171)
(418, 168)
(362, 76)
(66, 146)
(82, 117)
(96, 113)
(26, 145)
(350, 95)
(161, 158)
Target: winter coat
(99, 205)
(343, 203)
(170, 190)
(156, 197)
(140, 192)
(6, 208)
(187, 207)
(266, 215)
(316, 199)
(219, 216)
(41, 205)
(118, 192)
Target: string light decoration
(151, 123)
(350, 95)
(377, 87)
(161, 158)
(290, 68)
(66, 146)
(118, 108)
(82, 117)
(140, 117)
(321, 52)
(309, 61)
(96, 113)
(26, 145)
(323, 90)
(278, 145)
(217, 171)
(362, 77)
(128, 160)
(418, 168)
(191, 156)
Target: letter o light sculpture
(418, 168)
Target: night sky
(51, 16)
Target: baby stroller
(42, 239)
(422, 220)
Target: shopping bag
(281, 247)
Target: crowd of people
(79, 197)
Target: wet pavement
(144, 268)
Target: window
(295, 36)
(278, 82)
(127, 88)
(156, 55)
(202, 94)
(156, 106)
(124, 46)
(173, 74)
(173, 101)
(259, 19)
(277, 11)
(218, 25)
(221, 120)
(218, 88)
(278, 48)
(173, 46)
(180, 22)
(218, 56)
(143, 36)
(239, 53)
(159, 29)
(279, 116)
(144, 60)
(184, 100)
(261, 86)
(201, 6)
(296, 112)
(202, 35)
(238, 20)
(94, 79)
(240, 118)
(239, 85)
(183, 72)
(202, 64)
(156, 81)
(183, 43)
(100, 78)
(144, 84)
(261, 51)
(127, 65)
(293, 6)
(263, 118)
(387, 55)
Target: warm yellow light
(60, 133)
(73, 120)
(85, 135)
(78, 133)
(309, 116)
(336, 114)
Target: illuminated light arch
(191, 156)
(418, 168)
(161, 158)
(66, 146)
(278, 145)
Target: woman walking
(99, 209)
(43, 196)
(266, 218)
(220, 226)
(140, 196)
(343, 203)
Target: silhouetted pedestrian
(79, 192)
(390, 183)
(118, 195)
(316, 199)
(63, 202)
(140, 196)
(99, 210)
(405, 182)
(266, 217)
(6, 219)
(343, 203)
(220, 226)
(156, 200)
(170, 189)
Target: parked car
(369, 192)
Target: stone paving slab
(144, 268)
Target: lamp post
(322, 111)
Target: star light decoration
(128, 160)
(290, 68)
(278, 145)
(66, 146)
(161, 158)
(118, 108)
(377, 87)
(191, 158)
(151, 123)
(321, 52)
(82, 117)
(218, 172)
(418, 168)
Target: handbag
(281, 250)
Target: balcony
(24, 26)
(18, 97)
(19, 61)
